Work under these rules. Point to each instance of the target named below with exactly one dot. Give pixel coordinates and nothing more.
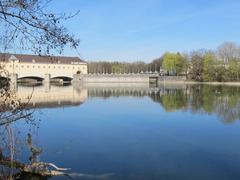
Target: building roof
(25, 58)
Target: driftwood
(38, 168)
(34, 167)
(43, 169)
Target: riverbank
(195, 82)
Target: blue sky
(131, 30)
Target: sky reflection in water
(139, 132)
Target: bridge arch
(34, 79)
(63, 78)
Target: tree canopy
(174, 63)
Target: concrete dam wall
(111, 78)
(126, 78)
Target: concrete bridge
(25, 68)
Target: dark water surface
(138, 132)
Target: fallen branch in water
(39, 168)
(34, 167)
(43, 169)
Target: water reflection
(47, 96)
(223, 101)
(98, 139)
(13, 144)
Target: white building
(33, 66)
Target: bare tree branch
(39, 30)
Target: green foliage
(209, 67)
(208, 96)
(174, 63)
(205, 66)
(221, 72)
(174, 101)
(233, 70)
(117, 68)
(184, 64)
(169, 62)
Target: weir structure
(58, 69)
(34, 68)
(127, 78)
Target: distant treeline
(222, 64)
(122, 67)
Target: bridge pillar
(47, 78)
(13, 80)
(46, 82)
(47, 86)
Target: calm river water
(136, 131)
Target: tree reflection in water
(223, 101)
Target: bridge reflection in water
(128, 89)
(223, 101)
(47, 96)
